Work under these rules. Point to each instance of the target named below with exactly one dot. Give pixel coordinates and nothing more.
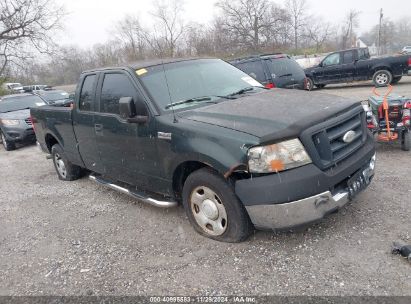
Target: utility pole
(379, 32)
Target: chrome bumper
(304, 211)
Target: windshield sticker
(251, 81)
(141, 72)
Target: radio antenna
(168, 89)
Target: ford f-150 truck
(355, 65)
(202, 133)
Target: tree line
(240, 27)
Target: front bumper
(310, 209)
(19, 135)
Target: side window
(86, 94)
(114, 87)
(348, 57)
(332, 59)
(255, 69)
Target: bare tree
(170, 27)
(350, 25)
(249, 21)
(297, 10)
(133, 37)
(319, 32)
(26, 26)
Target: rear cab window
(87, 100)
(348, 57)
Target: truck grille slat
(328, 145)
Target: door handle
(98, 128)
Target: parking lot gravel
(79, 238)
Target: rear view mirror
(127, 107)
(130, 112)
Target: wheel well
(182, 172)
(381, 69)
(50, 141)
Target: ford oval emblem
(349, 136)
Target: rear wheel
(396, 79)
(65, 170)
(310, 84)
(406, 141)
(213, 208)
(382, 78)
(8, 145)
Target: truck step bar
(133, 193)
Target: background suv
(273, 70)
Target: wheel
(406, 141)
(396, 79)
(8, 145)
(66, 171)
(310, 84)
(320, 86)
(382, 78)
(213, 208)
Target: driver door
(127, 150)
(331, 69)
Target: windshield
(192, 79)
(282, 67)
(11, 104)
(54, 96)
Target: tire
(8, 145)
(320, 86)
(66, 171)
(382, 78)
(310, 84)
(396, 79)
(406, 141)
(213, 208)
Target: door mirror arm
(139, 119)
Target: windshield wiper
(244, 90)
(189, 100)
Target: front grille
(28, 121)
(325, 143)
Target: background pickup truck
(202, 133)
(356, 64)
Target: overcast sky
(90, 21)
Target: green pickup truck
(202, 133)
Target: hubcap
(61, 167)
(382, 78)
(208, 210)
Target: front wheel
(406, 141)
(8, 145)
(66, 171)
(213, 208)
(382, 78)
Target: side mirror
(130, 112)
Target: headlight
(9, 122)
(278, 157)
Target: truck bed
(56, 122)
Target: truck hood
(272, 114)
(20, 114)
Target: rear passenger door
(83, 122)
(348, 66)
(127, 150)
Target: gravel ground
(79, 238)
